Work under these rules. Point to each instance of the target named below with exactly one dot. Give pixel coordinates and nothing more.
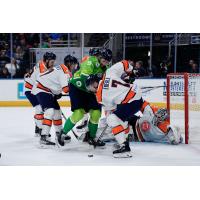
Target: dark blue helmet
(94, 51)
(49, 56)
(70, 59)
(106, 54)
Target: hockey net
(183, 104)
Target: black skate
(44, 141)
(62, 139)
(37, 131)
(92, 141)
(123, 151)
(86, 138)
(95, 143)
(131, 138)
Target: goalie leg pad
(174, 135)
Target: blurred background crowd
(154, 54)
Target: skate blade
(67, 141)
(59, 146)
(96, 147)
(123, 155)
(44, 146)
(109, 140)
(101, 147)
(37, 135)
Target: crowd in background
(161, 71)
(17, 64)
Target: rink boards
(12, 93)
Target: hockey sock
(68, 126)
(71, 121)
(93, 124)
(92, 129)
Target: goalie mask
(160, 116)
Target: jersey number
(115, 83)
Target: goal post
(183, 103)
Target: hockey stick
(76, 136)
(91, 154)
(147, 89)
(151, 87)
(101, 135)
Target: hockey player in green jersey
(82, 98)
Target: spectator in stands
(4, 59)
(19, 53)
(152, 70)
(4, 73)
(140, 68)
(194, 68)
(163, 69)
(190, 63)
(12, 67)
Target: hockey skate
(37, 131)
(45, 141)
(92, 141)
(123, 151)
(62, 139)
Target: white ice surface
(18, 146)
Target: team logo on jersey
(97, 64)
(89, 62)
(78, 83)
(145, 126)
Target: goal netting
(183, 104)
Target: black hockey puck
(90, 155)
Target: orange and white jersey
(113, 91)
(30, 78)
(54, 80)
(147, 130)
